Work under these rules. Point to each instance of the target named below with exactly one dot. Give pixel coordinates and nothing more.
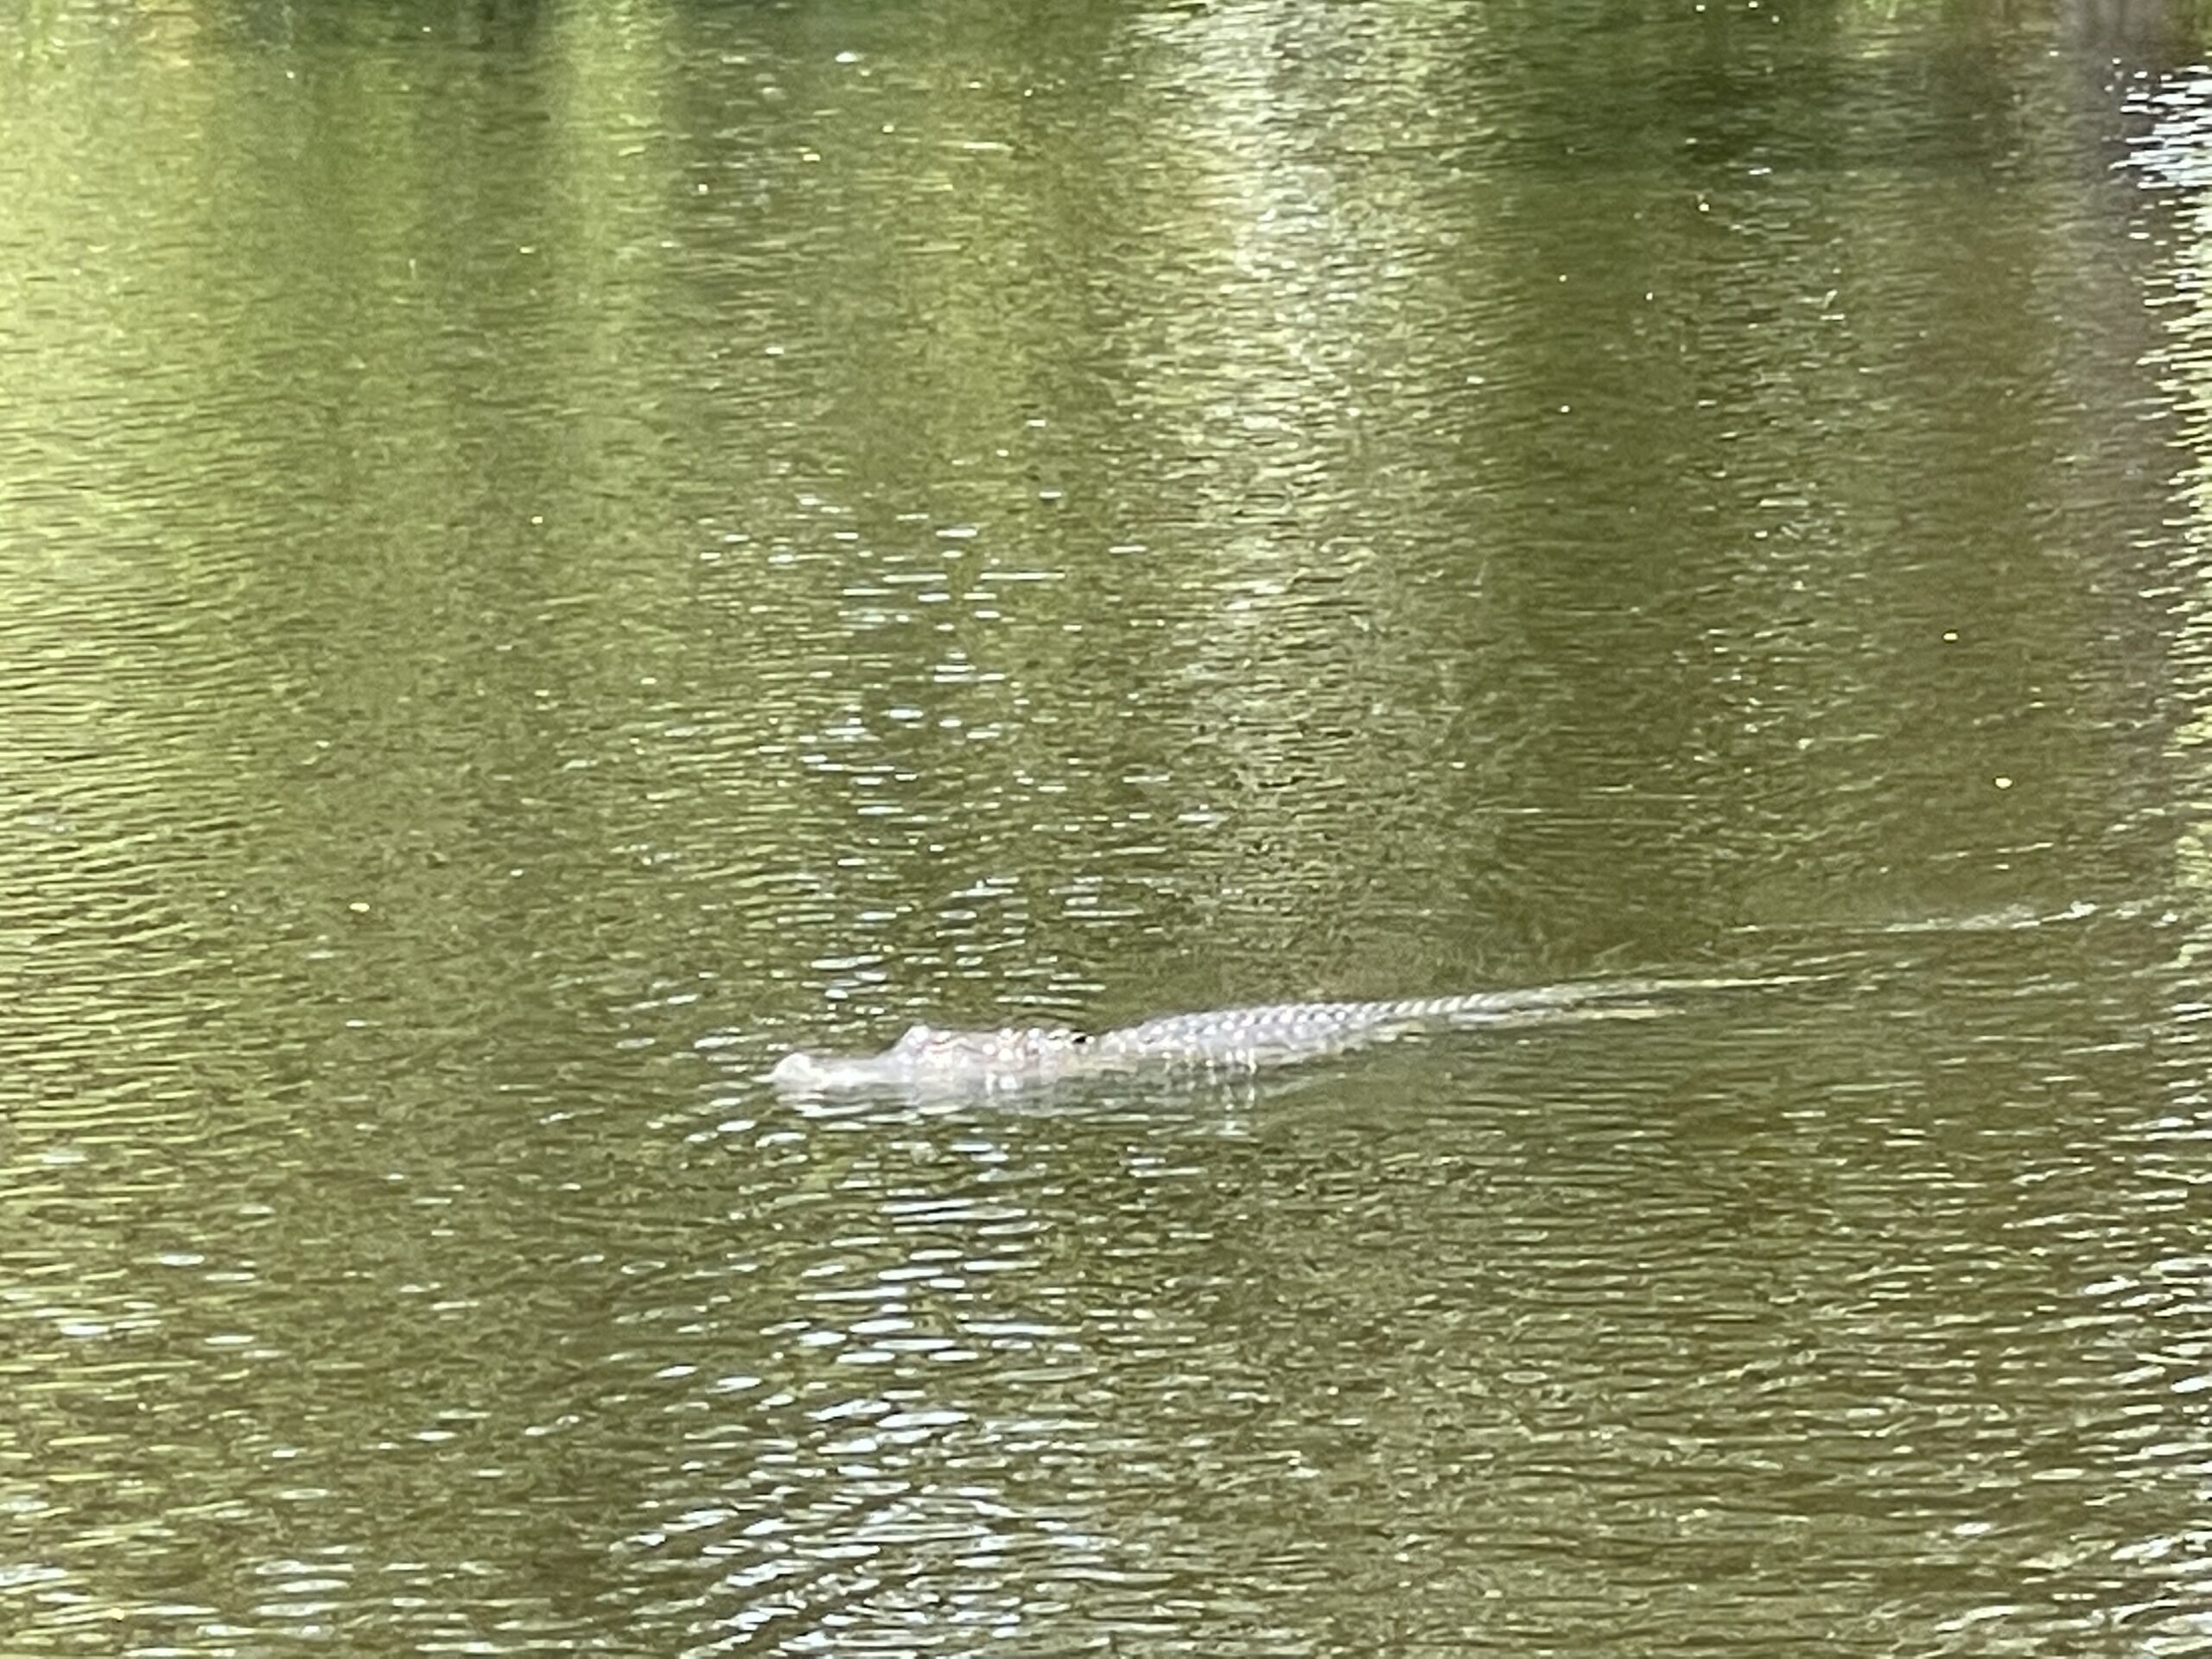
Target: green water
(550, 554)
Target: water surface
(547, 555)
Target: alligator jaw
(825, 1074)
(941, 1062)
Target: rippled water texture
(551, 554)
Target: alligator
(1224, 1041)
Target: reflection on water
(545, 563)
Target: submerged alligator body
(1225, 1041)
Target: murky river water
(550, 553)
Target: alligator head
(929, 1059)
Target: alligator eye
(1080, 1038)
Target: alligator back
(1233, 1039)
